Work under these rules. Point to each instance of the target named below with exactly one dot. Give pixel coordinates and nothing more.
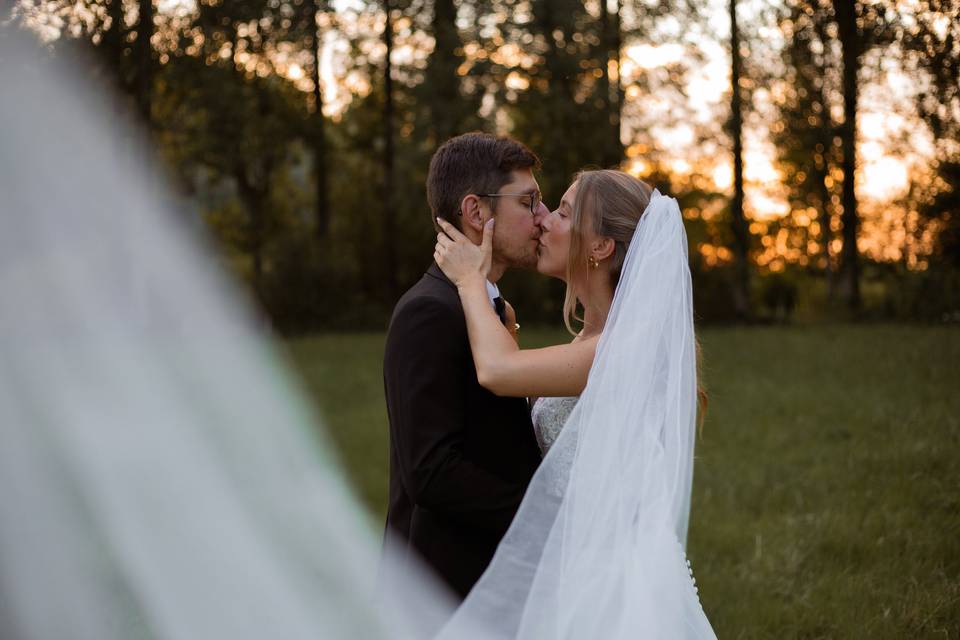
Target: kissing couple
(547, 488)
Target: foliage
(932, 44)
(806, 134)
(932, 295)
(299, 199)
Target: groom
(460, 457)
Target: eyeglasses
(534, 196)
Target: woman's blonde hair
(609, 203)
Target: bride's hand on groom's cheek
(459, 258)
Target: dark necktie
(501, 308)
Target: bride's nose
(541, 213)
(546, 221)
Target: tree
(144, 54)
(804, 131)
(932, 43)
(313, 9)
(388, 197)
(851, 42)
(860, 26)
(444, 107)
(242, 119)
(741, 285)
(610, 87)
(564, 114)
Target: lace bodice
(549, 416)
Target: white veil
(160, 474)
(597, 547)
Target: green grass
(827, 489)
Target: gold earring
(593, 262)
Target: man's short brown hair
(474, 162)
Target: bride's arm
(502, 367)
(507, 370)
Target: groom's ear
(471, 213)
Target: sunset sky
(883, 172)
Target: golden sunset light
(315, 251)
(675, 86)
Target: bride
(597, 547)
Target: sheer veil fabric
(161, 476)
(597, 549)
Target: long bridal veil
(597, 549)
(160, 473)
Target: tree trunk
(616, 112)
(826, 232)
(390, 217)
(145, 59)
(254, 182)
(610, 87)
(254, 198)
(603, 86)
(319, 125)
(821, 165)
(444, 76)
(114, 40)
(256, 231)
(741, 284)
(851, 46)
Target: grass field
(827, 489)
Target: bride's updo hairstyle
(609, 203)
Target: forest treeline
(300, 131)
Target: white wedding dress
(548, 416)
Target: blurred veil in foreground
(160, 474)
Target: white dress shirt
(493, 291)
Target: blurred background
(814, 146)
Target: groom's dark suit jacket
(460, 457)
